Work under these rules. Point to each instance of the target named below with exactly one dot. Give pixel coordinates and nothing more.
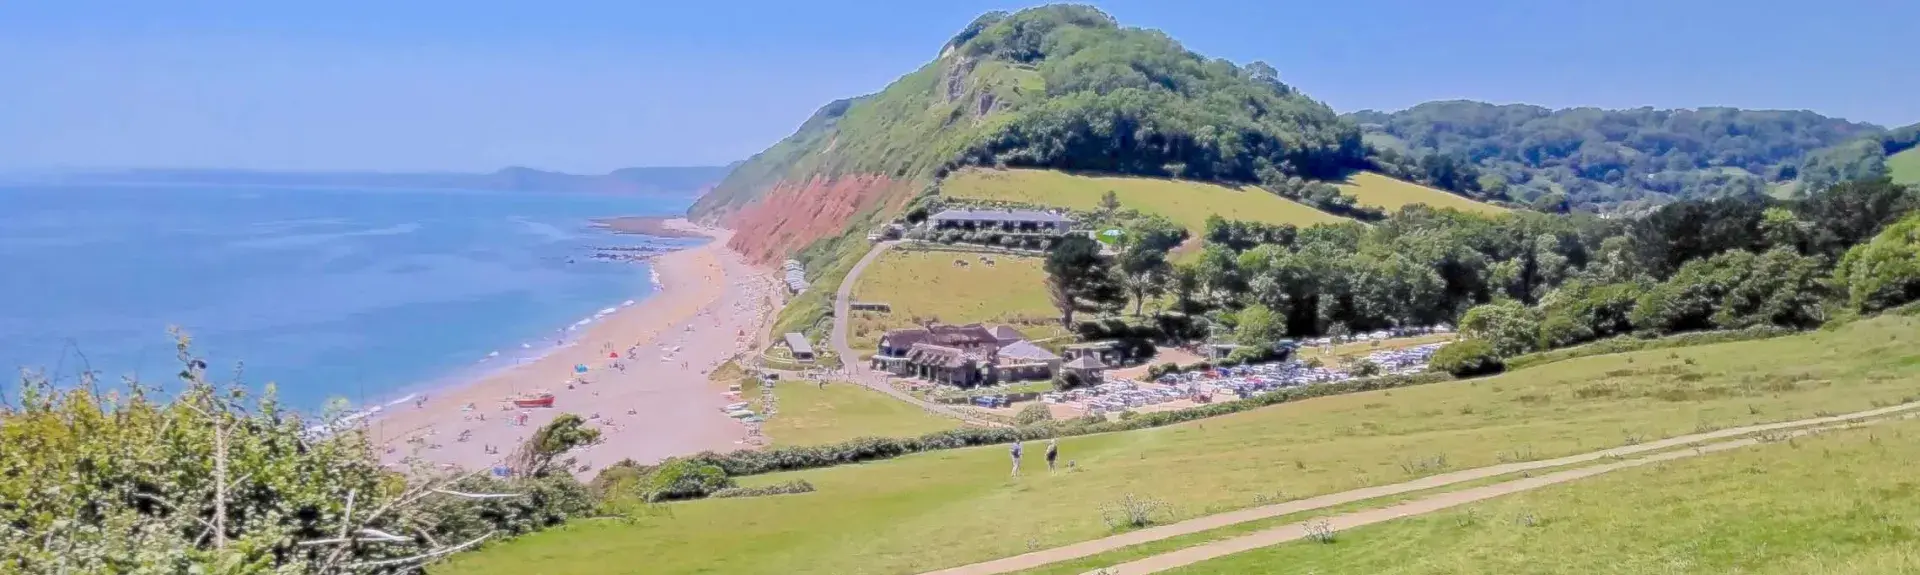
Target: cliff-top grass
(949, 508)
(1838, 502)
(952, 287)
(1187, 203)
(1380, 191)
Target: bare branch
(476, 495)
(382, 536)
(423, 556)
(346, 521)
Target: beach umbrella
(613, 355)
(580, 368)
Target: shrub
(1033, 413)
(1509, 328)
(1466, 358)
(1251, 355)
(543, 502)
(1366, 368)
(1130, 511)
(686, 479)
(1884, 272)
(123, 482)
(1067, 380)
(790, 487)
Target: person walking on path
(1016, 458)
(1053, 452)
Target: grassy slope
(904, 131)
(1185, 202)
(927, 285)
(1373, 189)
(1842, 502)
(1905, 166)
(954, 507)
(814, 415)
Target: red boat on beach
(535, 399)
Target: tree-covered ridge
(1062, 87)
(1135, 101)
(1593, 156)
(1527, 281)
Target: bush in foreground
(212, 480)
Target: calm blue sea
(365, 295)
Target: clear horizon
(589, 87)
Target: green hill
(1599, 157)
(1057, 87)
(1905, 166)
(1062, 87)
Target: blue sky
(593, 86)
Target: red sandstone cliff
(792, 215)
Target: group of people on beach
(1053, 454)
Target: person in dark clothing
(1053, 452)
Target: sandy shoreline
(711, 305)
(648, 225)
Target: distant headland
(688, 180)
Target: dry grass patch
(1187, 203)
(1391, 194)
(952, 287)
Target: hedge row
(795, 486)
(1627, 343)
(747, 462)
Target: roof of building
(1026, 351)
(944, 335)
(1034, 216)
(1007, 333)
(798, 343)
(1087, 362)
(1108, 344)
(937, 355)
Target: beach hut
(797, 343)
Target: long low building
(964, 355)
(1028, 221)
(797, 344)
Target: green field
(1905, 166)
(812, 414)
(1839, 502)
(930, 286)
(956, 507)
(1380, 191)
(1187, 203)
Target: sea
(371, 296)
